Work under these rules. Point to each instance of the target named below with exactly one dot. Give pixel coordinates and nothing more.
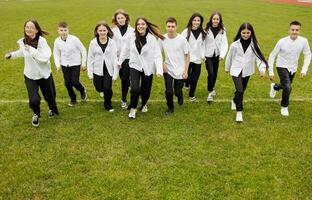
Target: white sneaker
(239, 116)
(272, 90)
(35, 120)
(144, 109)
(210, 97)
(111, 110)
(233, 105)
(192, 99)
(284, 111)
(213, 93)
(123, 104)
(132, 113)
(101, 94)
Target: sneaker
(180, 101)
(132, 113)
(192, 99)
(101, 94)
(284, 111)
(123, 104)
(272, 90)
(210, 97)
(239, 116)
(84, 95)
(233, 105)
(169, 111)
(213, 93)
(51, 114)
(109, 108)
(72, 103)
(144, 109)
(35, 120)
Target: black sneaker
(180, 101)
(169, 111)
(51, 114)
(35, 120)
(72, 103)
(84, 95)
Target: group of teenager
(135, 54)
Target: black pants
(137, 89)
(193, 76)
(124, 74)
(71, 79)
(104, 84)
(212, 65)
(173, 86)
(240, 86)
(286, 79)
(47, 88)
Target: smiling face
(215, 21)
(102, 32)
(121, 19)
(196, 23)
(294, 31)
(63, 32)
(141, 27)
(30, 29)
(245, 34)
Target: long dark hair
(209, 23)
(103, 23)
(151, 28)
(30, 41)
(189, 25)
(255, 48)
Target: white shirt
(69, 53)
(148, 60)
(121, 41)
(96, 59)
(175, 50)
(218, 45)
(37, 61)
(237, 61)
(197, 47)
(288, 52)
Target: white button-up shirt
(69, 53)
(288, 52)
(96, 59)
(237, 61)
(121, 41)
(37, 61)
(197, 47)
(218, 45)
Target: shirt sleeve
(186, 47)
(42, 53)
(90, 61)
(307, 57)
(224, 45)
(158, 57)
(272, 57)
(229, 57)
(56, 55)
(83, 52)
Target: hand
(165, 68)
(184, 75)
(58, 69)
(7, 56)
(83, 68)
(159, 75)
(272, 77)
(302, 75)
(119, 66)
(262, 73)
(220, 58)
(227, 71)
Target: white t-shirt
(175, 50)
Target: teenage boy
(175, 67)
(288, 50)
(70, 55)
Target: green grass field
(198, 153)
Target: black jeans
(124, 74)
(212, 65)
(104, 84)
(71, 79)
(137, 88)
(240, 86)
(193, 76)
(173, 86)
(286, 79)
(47, 88)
